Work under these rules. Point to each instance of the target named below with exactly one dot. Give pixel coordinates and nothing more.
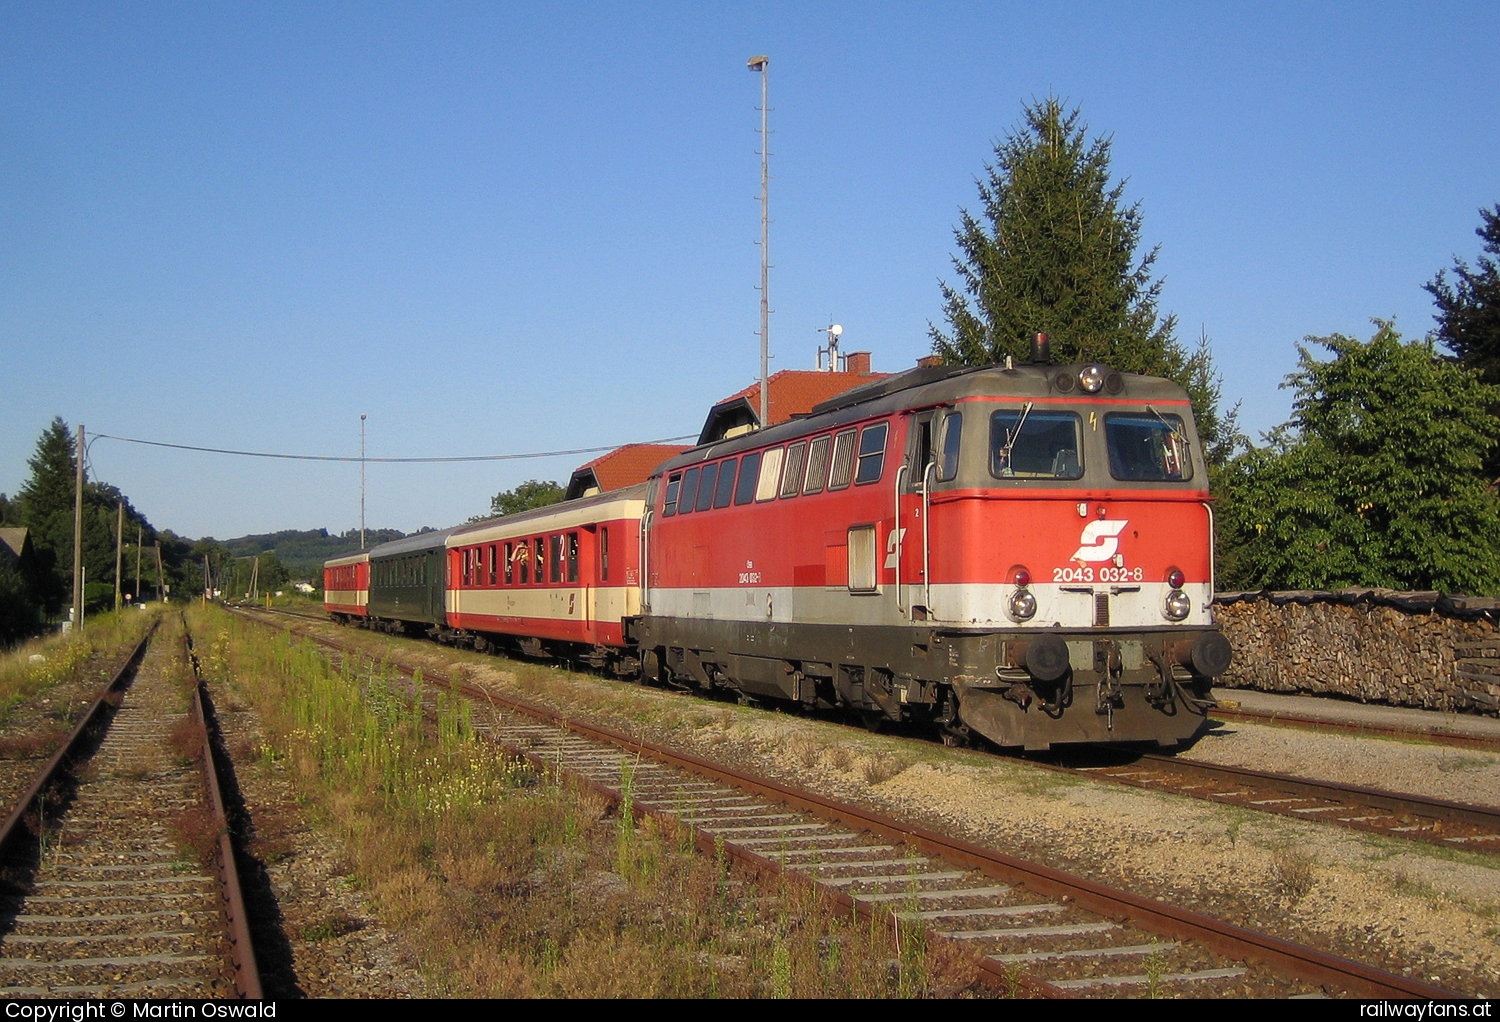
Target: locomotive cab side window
(871, 453)
(1147, 446)
(1029, 444)
(951, 432)
(674, 483)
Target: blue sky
(502, 228)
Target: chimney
(929, 361)
(857, 362)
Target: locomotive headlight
(1178, 605)
(1091, 378)
(1022, 605)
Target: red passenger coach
(346, 586)
(558, 579)
(1024, 552)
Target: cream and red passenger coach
(346, 586)
(567, 574)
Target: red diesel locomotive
(1021, 552)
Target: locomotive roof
(928, 386)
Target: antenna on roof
(832, 351)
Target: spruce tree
(1469, 308)
(1053, 250)
(45, 505)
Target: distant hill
(304, 551)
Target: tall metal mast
(361, 481)
(760, 64)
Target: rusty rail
(242, 948)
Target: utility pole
(119, 547)
(78, 538)
(760, 63)
(138, 536)
(161, 576)
(361, 480)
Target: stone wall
(1424, 650)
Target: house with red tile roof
(789, 393)
(624, 466)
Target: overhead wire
(345, 458)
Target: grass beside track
(43, 663)
(510, 882)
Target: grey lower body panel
(1112, 686)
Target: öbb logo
(1100, 541)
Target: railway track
(1392, 813)
(1437, 734)
(104, 890)
(1395, 814)
(1037, 929)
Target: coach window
(604, 553)
(554, 563)
(871, 453)
(541, 559)
(510, 567)
(843, 460)
(724, 492)
(744, 493)
(952, 432)
(689, 490)
(817, 465)
(706, 483)
(523, 555)
(791, 473)
(494, 564)
(572, 557)
(674, 483)
(770, 474)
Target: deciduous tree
(533, 493)
(1377, 480)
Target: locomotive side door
(909, 553)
